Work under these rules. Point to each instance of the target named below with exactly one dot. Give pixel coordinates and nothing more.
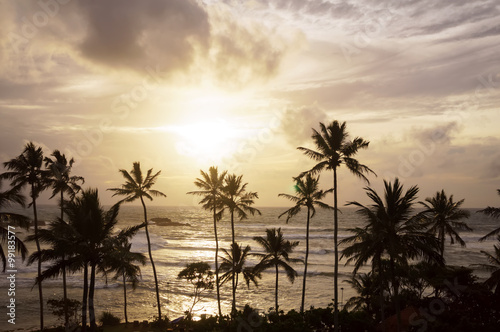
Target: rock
(167, 222)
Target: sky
(182, 85)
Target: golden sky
(182, 85)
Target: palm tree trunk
(216, 260)
(85, 294)
(39, 267)
(396, 294)
(65, 292)
(335, 244)
(233, 308)
(441, 239)
(276, 290)
(125, 297)
(151, 259)
(381, 283)
(305, 263)
(93, 326)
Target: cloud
(297, 123)
(185, 39)
(440, 134)
(142, 33)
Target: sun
(208, 141)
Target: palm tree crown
(443, 216)
(234, 263)
(277, 255)
(237, 199)
(334, 149)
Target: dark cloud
(141, 33)
(185, 37)
(440, 134)
(297, 123)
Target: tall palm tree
(233, 264)
(307, 194)
(211, 185)
(494, 213)
(333, 150)
(237, 200)
(391, 232)
(63, 183)
(89, 239)
(137, 186)
(26, 171)
(443, 216)
(122, 261)
(277, 255)
(11, 219)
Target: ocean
(175, 246)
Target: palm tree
(233, 264)
(366, 285)
(63, 183)
(308, 195)
(237, 200)
(6, 199)
(443, 216)
(138, 187)
(89, 241)
(26, 170)
(122, 261)
(277, 254)
(211, 185)
(333, 150)
(493, 282)
(391, 232)
(494, 213)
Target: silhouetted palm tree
(93, 238)
(7, 219)
(494, 213)
(493, 282)
(138, 187)
(333, 150)
(233, 264)
(367, 286)
(63, 183)
(307, 194)
(26, 170)
(211, 185)
(391, 232)
(122, 261)
(277, 255)
(443, 216)
(237, 200)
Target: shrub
(108, 319)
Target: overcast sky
(182, 85)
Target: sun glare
(208, 141)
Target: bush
(108, 319)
